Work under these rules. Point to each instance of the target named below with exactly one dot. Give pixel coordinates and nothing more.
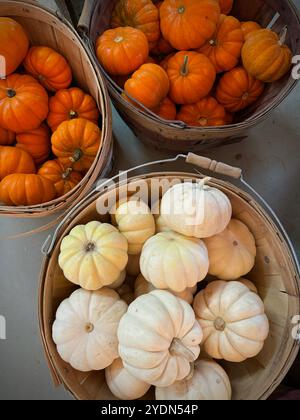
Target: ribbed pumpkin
(166, 110)
(14, 44)
(63, 178)
(237, 89)
(13, 161)
(205, 113)
(7, 138)
(68, 104)
(249, 27)
(77, 142)
(191, 77)
(162, 46)
(149, 85)
(121, 51)
(265, 56)
(225, 46)
(188, 24)
(23, 103)
(226, 6)
(26, 190)
(49, 67)
(139, 14)
(36, 142)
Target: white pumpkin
(93, 255)
(85, 328)
(126, 293)
(136, 223)
(233, 320)
(231, 253)
(208, 383)
(196, 209)
(251, 286)
(142, 287)
(122, 384)
(159, 338)
(160, 225)
(133, 266)
(173, 261)
(118, 283)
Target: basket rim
(245, 196)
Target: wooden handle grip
(214, 166)
(86, 14)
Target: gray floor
(270, 159)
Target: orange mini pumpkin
(14, 44)
(205, 113)
(36, 142)
(224, 48)
(63, 178)
(26, 190)
(69, 104)
(249, 27)
(237, 89)
(23, 103)
(49, 67)
(226, 6)
(149, 85)
(121, 51)
(166, 110)
(139, 14)
(191, 75)
(13, 161)
(7, 138)
(77, 142)
(265, 55)
(188, 24)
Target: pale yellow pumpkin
(136, 223)
(196, 209)
(122, 384)
(133, 266)
(233, 319)
(173, 261)
(231, 253)
(159, 338)
(209, 382)
(142, 287)
(85, 329)
(118, 283)
(93, 255)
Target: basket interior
(44, 28)
(273, 14)
(274, 275)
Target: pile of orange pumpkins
(189, 60)
(49, 134)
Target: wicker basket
(46, 28)
(176, 136)
(276, 274)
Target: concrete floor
(270, 159)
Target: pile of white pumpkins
(148, 332)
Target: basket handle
(214, 166)
(86, 15)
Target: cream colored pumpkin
(142, 287)
(173, 261)
(233, 320)
(251, 286)
(159, 338)
(93, 255)
(85, 328)
(136, 223)
(208, 383)
(231, 253)
(126, 293)
(118, 283)
(122, 384)
(196, 209)
(160, 225)
(133, 266)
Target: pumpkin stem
(66, 174)
(90, 247)
(282, 36)
(89, 327)
(179, 349)
(220, 324)
(185, 66)
(11, 93)
(119, 39)
(77, 155)
(181, 9)
(73, 115)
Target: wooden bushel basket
(276, 274)
(176, 136)
(47, 28)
